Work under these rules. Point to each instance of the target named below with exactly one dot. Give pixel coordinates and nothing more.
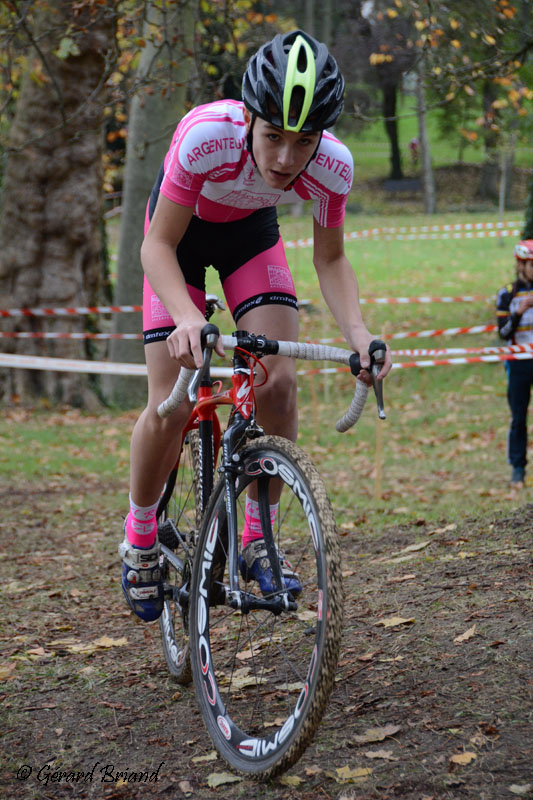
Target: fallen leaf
(463, 758)
(212, 756)
(368, 656)
(521, 789)
(392, 622)
(186, 788)
(106, 641)
(314, 770)
(386, 754)
(412, 548)
(401, 578)
(377, 734)
(220, 778)
(349, 774)
(6, 671)
(464, 637)
(451, 527)
(291, 780)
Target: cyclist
(214, 203)
(515, 324)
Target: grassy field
(441, 451)
(370, 145)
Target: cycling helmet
(294, 83)
(524, 250)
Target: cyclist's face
(527, 269)
(281, 155)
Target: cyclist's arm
(340, 290)
(159, 260)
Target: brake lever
(210, 334)
(377, 351)
(378, 361)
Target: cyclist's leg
(154, 448)
(277, 409)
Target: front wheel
(179, 515)
(263, 678)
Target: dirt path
(85, 687)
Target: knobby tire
(179, 507)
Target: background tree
(52, 187)
(527, 233)
(376, 46)
(191, 53)
(162, 80)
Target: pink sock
(141, 525)
(252, 522)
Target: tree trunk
(489, 183)
(327, 12)
(391, 127)
(153, 117)
(310, 17)
(428, 179)
(50, 244)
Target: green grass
(370, 145)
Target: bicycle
(263, 667)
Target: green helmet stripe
(295, 77)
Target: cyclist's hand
(526, 303)
(184, 344)
(360, 344)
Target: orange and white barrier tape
(425, 334)
(468, 230)
(81, 310)
(57, 335)
(433, 363)
(424, 299)
(411, 353)
(65, 312)
(117, 368)
(443, 362)
(455, 351)
(473, 329)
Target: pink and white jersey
(209, 168)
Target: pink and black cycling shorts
(250, 258)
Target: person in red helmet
(515, 324)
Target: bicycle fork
(232, 468)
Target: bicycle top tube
(259, 345)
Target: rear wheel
(262, 678)
(179, 516)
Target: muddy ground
(447, 683)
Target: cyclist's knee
(278, 397)
(171, 424)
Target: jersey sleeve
(507, 322)
(181, 182)
(329, 181)
(207, 146)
